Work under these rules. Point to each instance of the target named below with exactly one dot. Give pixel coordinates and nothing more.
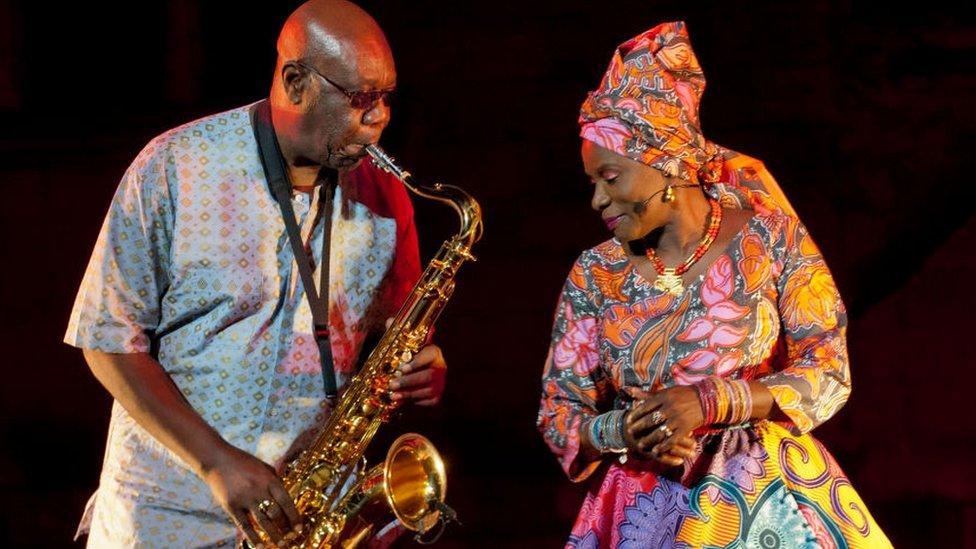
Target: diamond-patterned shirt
(193, 265)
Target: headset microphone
(641, 207)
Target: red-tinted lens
(366, 100)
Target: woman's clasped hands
(659, 425)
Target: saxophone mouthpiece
(375, 151)
(386, 163)
(382, 160)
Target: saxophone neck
(467, 208)
(463, 203)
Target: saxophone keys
(343, 448)
(354, 424)
(447, 291)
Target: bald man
(192, 312)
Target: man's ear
(294, 81)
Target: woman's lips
(613, 221)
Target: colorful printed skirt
(752, 487)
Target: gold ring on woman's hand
(666, 430)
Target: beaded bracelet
(607, 432)
(724, 401)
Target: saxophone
(410, 485)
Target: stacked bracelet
(607, 432)
(708, 395)
(725, 401)
(742, 399)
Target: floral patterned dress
(766, 309)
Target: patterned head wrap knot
(646, 107)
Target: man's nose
(377, 115)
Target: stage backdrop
(865, 115)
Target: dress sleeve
(813, 381)
(573, 382)
(749, 178)
(117, 307)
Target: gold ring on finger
(666, 430)
(265, 505)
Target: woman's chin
(623, 235)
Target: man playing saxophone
(193, 312)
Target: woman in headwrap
(692, 353)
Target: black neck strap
(281, 188)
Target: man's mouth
(354, 149)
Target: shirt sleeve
(406, 262)
(813, 381)
(386, 196)
(574, 384)
(117, 307)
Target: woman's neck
(682, 232)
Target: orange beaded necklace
(669, 278)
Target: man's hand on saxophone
(422, 379)
(239, 481)
(253, 495)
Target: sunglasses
(362, 100)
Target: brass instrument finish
(410, 485)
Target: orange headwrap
(646, 107)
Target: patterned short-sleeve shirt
(193, 265)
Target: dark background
(864, 115)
